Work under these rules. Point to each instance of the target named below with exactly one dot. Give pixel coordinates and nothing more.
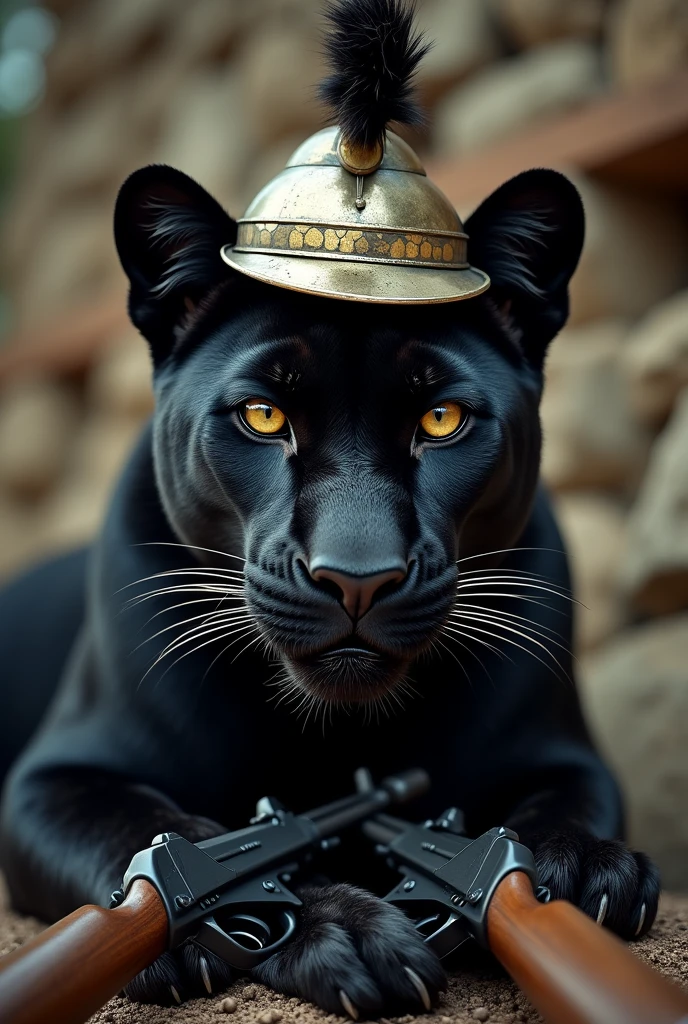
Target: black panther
(329, 548)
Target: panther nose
(357, 592)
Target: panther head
(349, 452)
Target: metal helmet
(353, 214)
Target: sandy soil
(478, 991)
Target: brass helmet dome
(353, 214)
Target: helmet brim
(358, 281)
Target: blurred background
(225, 90)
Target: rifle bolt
(182, 901)
(474, 896)
(409, 885)
(269, 885)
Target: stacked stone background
(224, 89)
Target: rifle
(228, 893)
(455, 889)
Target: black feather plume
(372, 51)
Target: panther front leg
(356, 954)
(618, 887)
(67, 838)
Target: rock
(506, 96)
(120, 382)
(102, 447)
(464, 39)
(278, 80)
(590, 437)
(655, 359)
(90, 142)
(647, 41)
(38, 420)
(535, 22)
(31, 203)
(74, 512)
(593, 527)
(655, 572)
(129, 29)
(634, 254)
(18, 530)
(480, 1013)
(204, 131)
(101, 37)
(75, 262)
(206, 32)
(636, 698)
(228, 1005)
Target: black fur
(168, 233)
(351, 940)
(372, 51)
(130, 747)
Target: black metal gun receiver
(230, 893)
(448, 879)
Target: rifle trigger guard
(245, 940)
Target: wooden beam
(637, 137)
(67, 343)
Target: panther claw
(348, 1005)
(420, 988)
(205, 975)
(175, 995)
(602, 912)
(641, 922)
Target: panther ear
(168, 233)
(528, 236)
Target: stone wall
(224, 89)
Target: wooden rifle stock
(70, 970)
(573, 971)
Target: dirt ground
(478, 990)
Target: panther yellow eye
(442, 420)
(264, 417)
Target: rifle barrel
(83, 960)
(394, 790)
(573, 971)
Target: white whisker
(187, 653)
(499, 615)
(197, 633)
(477, 640)
(495, 621)
(243, 649)
(189, 547)
(508, 551)
(184, 604)
(454, 656)
(206, 616)
(514, 643)
(200, 588)
(506, 582)
(219, 574)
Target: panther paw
(187, 972)
(619, 888)
(356, 954)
